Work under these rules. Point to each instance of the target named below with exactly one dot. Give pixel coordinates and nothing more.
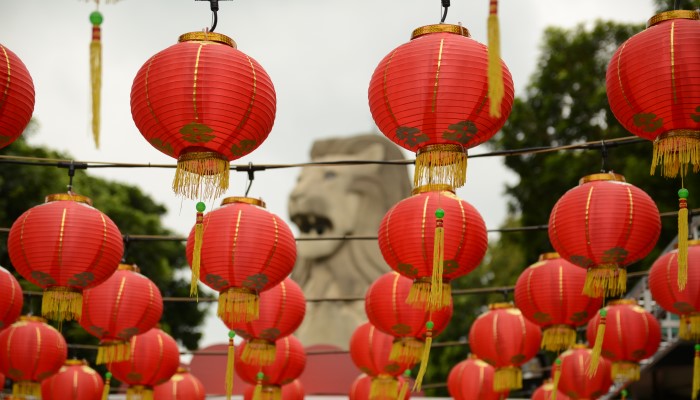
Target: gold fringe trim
(436, 299)
(404, 389)
(558, 337)
(105, 390)
(674, 151)
(109, 352)
(507, 378)
(598, 346)
(406, 350)
(238, 305)
(259, 352)
(420, 292)
(384, 387)
(230, 368)
(626, 371)
(62, 304)
(696, 373)
(201, 175)
(26, 388)
(423, 362)
(607, 280)
(682, 244)
(197, 253)
(555, 383)
(495, 71)
(139, 392)
(690, 327)
(96, 83)
(257, 392)
(440, 164)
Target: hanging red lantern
(430, 96)
(630, 335)
(472, 379)
(11, 301)
(603, 225)
(31, 351)
(245, 250)
(281, 312)
(75, 380)
(504, 338)
(16, 97)
(432, 237)
(181, 386)
(125, 305)
(361, 389)
(289, 363)
(290, 391)
(154, 359)
(205, 103)
(546, 392)
(574, 380)
(64, 246)
(549, 293)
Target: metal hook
(445, 6)
(251, 177)
(604, 153)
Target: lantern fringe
(607, 280)
(197, 253)
(696, 373)
(495, 71)
(96, 81)
(690, 327)
(404, 389)
(201, 174)
(259, 352)
(139, 392)
(440, 164)
(406, 350)
(271, 392)
(558, 337)
(627, 371)
(507, 378)
(598, 346)
(682, 243)
(674, 151)
(436, 301)
(384, 387)
(419, 296)
(110, 352)
(257, 392)
(555, 383)
(62, 304)
(238, 305)
(423, 362)
(105, 390)
(26, 388)
(230, 364)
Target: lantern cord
(251, 177)
(445, 6)
(127, 239)
(604, 154)
(71, 166)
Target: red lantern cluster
(289, 363)
(361, 389)
(75, 380)
(181, 386)
(11, 301)
(290, 391)
(17, 99)
(575, 381)
(472, 379)
(546, 392)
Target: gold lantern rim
(441, 187)
(501, 305)
(440, 28)
(129, 267)
(673, 14)
(207, 37)
(245, 200)
(552, 255)
(603, 176)
(70, 196)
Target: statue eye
(329, 175)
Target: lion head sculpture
(333, 200)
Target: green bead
(260, 376)
(108, 375)
(439, 213)
(683, 193)
(231, 334)
(697, 347)
(429, 325)
(96, 18)
(624, 392)
(558, 361)
(603, 312)
(201, 206)
(407, 373)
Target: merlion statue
(338, 200)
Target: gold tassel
(426, 355)
(690, 327)
(558, 337)
(696, 372)
(24, 389)
(419, 294)
(440, 164)
(598, 347)
(404, 385)
(109, 352)
(383, 387)
(625, 371)
(406, 350)
(139, 392)
(238, 305)
(96, 73)
(674, 151)
(436, 299)
(201, 174)
(495, 71)
(507, 378)
(197, 252)
(557, 375)
(105, 390)
(231, 357)
(682, 238)
(607, 280)
(259, 352)
(257, 392)
(62, 304)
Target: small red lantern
(205, 103)
(290, 391)
(290, 362)
(574, 380)
(282, 310)
(125, 305)
(154, 359)
(630, 335)
(432, 237)
(430, 96)
(11, 301)
(546, 392)
(64, 246)
(603, 225)
(361, 389)
(75, 380)
(504, 338)
(31, 351)
(16, 97)
(549, 293)
(181, 386)
(472, 379)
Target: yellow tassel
(598, 347)
(436, 299)
(108, 352)
(558, 337)
(259, 352)
(105, 390)
(238, 305)
(197, 251)
(257, 392)
(440, 164)
(625, 371)
(607, 280)
(425, 357)
(507, 378)
(495, 71)
(383, 387)
(696, 372)
(682, 238)
(231, 357)
(674, 151)
(557, 375)
(406, 350)
(96, 74)
(419, 295)
(404, 385)
(62, 304)
(690, 327)
(201, 174)
(139, 392)
(24, 389)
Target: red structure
(17, 100)
(181, 386)
(290, 391)
(546, 392)
(361, 389)
(574, 380)
(472, 379)
(289, 363)
(75, 381)
(11, 300)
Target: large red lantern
(432, 237)
(504, 338)
(574, 379)
(11, 300)
(282, 310)
(31, 351)
(64, 246)
(289, 363)
(361, 389)
(125, 305)
(290, 391)
(629, 335)
(472, 379)
(245, 250)
(549, 293)
(154, 359)
(75, 380)
(181, 386)
(603, 225)
(205, 103)
(16, 96)
(430, 96)
(546, 392)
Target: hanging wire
(251, 177)
(604, 156)
(445, 7)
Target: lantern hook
(71, 166)
(604, 154)
(126, 240)
(251, 177)
(445, 6)
(214, 6)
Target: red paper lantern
(631, 335)
(472, 379)
(504, 338)
(64, 246)
(290, 362)
(410, 231)
(282, 310)
(574, 380)
(549, 293)
(653, 86)
(31, 351)
(181, 386)
(75, 381)
(16, 97)
(11, 300)
(125, 305)
(663, 276)
(290, 391)
(205, 103)
(154, 359)
(245, 250)
(545, 392)
(361, 389)
(603, 225)
(430, 96)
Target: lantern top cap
(440, 28)
(500, 306)
(182, 370)
(578, 346)
(70, 196)
(246, 200)
(32, 318)
(674, 14)
(206, 37)
(433, 188)
(693, 242)
(549, 256)
(603, 176)
(129, 267)
(623, 302)
(75, 362)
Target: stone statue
(338, 200)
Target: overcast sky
(320, 55)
